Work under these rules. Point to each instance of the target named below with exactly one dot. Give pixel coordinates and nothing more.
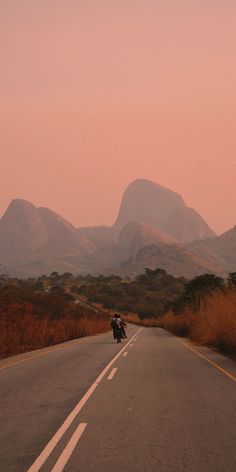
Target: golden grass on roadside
(216, 325)
(180, 324)
(213, 325)
(27, 333)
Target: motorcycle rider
(118, 326)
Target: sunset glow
(96, 94)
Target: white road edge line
(65, 455)
(63, 428)
(125, 354)
(111, 375)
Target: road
(154, 403)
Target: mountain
(186, 225)
(22, 231)
(31, 237)
(141, 246)
(154, 228)
(62, 236)
(175, 259)
(109, 256)
(98, 235)
(148, 203)
(134, 236)
(221, 249)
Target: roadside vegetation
(32, 316)
(40, 312)
(35, 313)
(148, 295)
(206, 313)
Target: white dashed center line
(111, 375)
(46, 452)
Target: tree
(54, 274)
(197, 289)
(204, 284)
(232, 280)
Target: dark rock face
(62, 236)
(151, 204)
(147, 203)
(186, 225)
(134, 236)
(22, 231)
(221, 248)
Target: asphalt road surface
(153, 403)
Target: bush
(32, 319)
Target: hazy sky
(97, 93)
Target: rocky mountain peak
(27, 231)
(21, 229)
(16, 209)
(146, 202)
(151, 204)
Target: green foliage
(55, 274)
(148, 295)
(204, 284)
(197, 290)
(232, 280)
(20, 297)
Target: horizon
(95, 96)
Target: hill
(154, 228)
(175, 259)
(221, 249)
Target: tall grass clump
(27, 332)
(212, 324)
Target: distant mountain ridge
(26, 231)
(176, 260)
(154, 228)
(221, 249)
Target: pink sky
(95, 94)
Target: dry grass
(213, 325)
(26, 333)
(131, 318)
